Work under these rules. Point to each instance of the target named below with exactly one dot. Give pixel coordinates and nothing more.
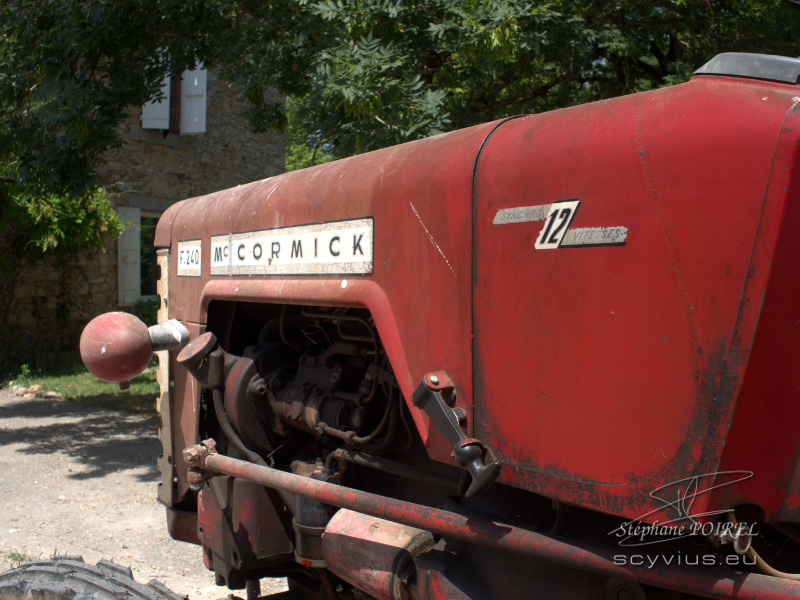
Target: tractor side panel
(617, 289)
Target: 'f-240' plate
(336, 248)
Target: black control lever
(431, 396)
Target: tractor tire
(69, 578)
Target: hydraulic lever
(431, 396)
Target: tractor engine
(296, 375)
(309, 390)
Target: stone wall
(150, 170)
(172, 166)
(52, 301)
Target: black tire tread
(69, 578)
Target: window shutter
(193, 101)
(129, 269)
(155, 115)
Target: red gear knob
(116, 347)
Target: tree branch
(537, 93)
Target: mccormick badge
(337, 248)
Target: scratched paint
(432, 241)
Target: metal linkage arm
(431, 396)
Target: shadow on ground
(104, 441)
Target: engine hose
(368, 438)
(329, 460)
(761, 564)
(372, 391)
(384, 445)
(345, 317)
(393, 467)
(227, 429)
(350, 437)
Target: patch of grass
(17, 557)
(77, 385)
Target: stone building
(194, 142)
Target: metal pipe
(253, 588)
(711, 582)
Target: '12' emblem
(556, 224)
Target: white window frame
(129, 250)
(194, 95)
(193, 100)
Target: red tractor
(554, 356)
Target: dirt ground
(82, 481)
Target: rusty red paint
(418, 221)
(241, 529)
(182, 525)
(186, 415)
(765, 432)
(710, 582)
(600, 373)
(432, 586)
(368, 552)
(607, 372)
(164, 230)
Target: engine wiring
(761, 563)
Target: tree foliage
(369, 73)
(68, 71)
(362, 73)
(35, 224)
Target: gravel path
(80, 480)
